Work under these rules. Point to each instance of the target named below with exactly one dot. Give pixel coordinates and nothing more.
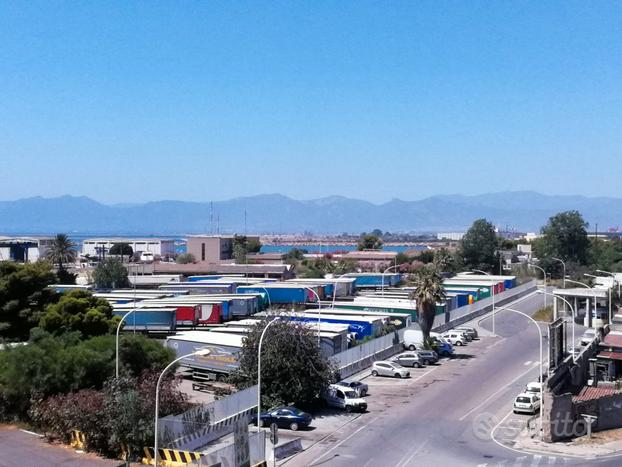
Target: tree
(369, 242)
(121, 249)
(61, 251)
(294, 255)
(79, 311)
(242, 245)
(564, 237)
(23, 296)
(428, 291)
(478, 248)
(293, 368)
(402, 258)
(185, 258)
(110, 274)
(444, 261)
(426, 256)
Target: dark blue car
(286, 417)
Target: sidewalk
(602, 444)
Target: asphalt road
(445, 417)
(20, 449)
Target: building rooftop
(589, 393)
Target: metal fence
(362, 351)
(225, 456)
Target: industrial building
(101, 246)
(24, 249)
(213, 249)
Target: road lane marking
(528, 362)
(345, 439)
(424, 374)
(405, 462)
(519, 461)
(536, 460)
(552, 460)
(504, 388)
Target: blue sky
(133, 101)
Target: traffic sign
(274, 433)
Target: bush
(185, 258)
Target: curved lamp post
(319, 309)
(573, 319)
(259, 373)
(493, 299)
(117, 340)
(383, 273)
(544, 276)
(199, 353)
(540, 378)
(564, 269)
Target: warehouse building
(213, 249)
(101, 246)
(24, 249)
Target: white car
(386, 368)
(588, 336)
(533, 388)
(454, 338)
(527, 402)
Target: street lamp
(564, 266)
(493, 299)
(259, 373)
(319, 311)
(117, 340)
(544, 277)
(383, 273)
(541, 371)
(198, 353)
(267, 295)
(573, 319)
(615, 278)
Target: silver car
(386, 368)
(412, 359)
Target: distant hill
(274, 213)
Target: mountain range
(275, 213)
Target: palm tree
(428, 292)
(61, 251)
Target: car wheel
(363, 393)
(264, 423)
(293, 426)
(418, 365)
(374, 373)
(459, 343)
(348, 408)
(411, 347)
(397, 375)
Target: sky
(127, 101)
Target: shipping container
(361, 326)
(149, 319)
(372, 279)
(509, 282)
(201, 288)
(282, 293)
(398, 319)
(224, 350)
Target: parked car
(527, 403)
(472, 332)
(454, 338)
(386, 368)
(444, 347)
(412, 359)
(429, 357)
(285, 417)
(346, 399)
(588, 336)
(413, 339)
(360, 388)
(533, 388)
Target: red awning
(610, 355)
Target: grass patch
(544, 314)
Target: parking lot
(329, 426)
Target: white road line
(519, 461)
(536, 460)
(528, 362)
(405, 462)
(552, 460)
(478, 406)
(346, 439)
(425, 374)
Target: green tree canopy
(61, 251)
(428, 291)
(564, 237)
(478, 248)
(121, 249)
(293, 368)
(23, 296)
(110, 274)
(369, 242)
(242, 245)
(445, 261)
(294, 255)
(79, 311)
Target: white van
(346, 399)
(413, 339)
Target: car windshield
(524, 400)
(351, 394)
(293, 410)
